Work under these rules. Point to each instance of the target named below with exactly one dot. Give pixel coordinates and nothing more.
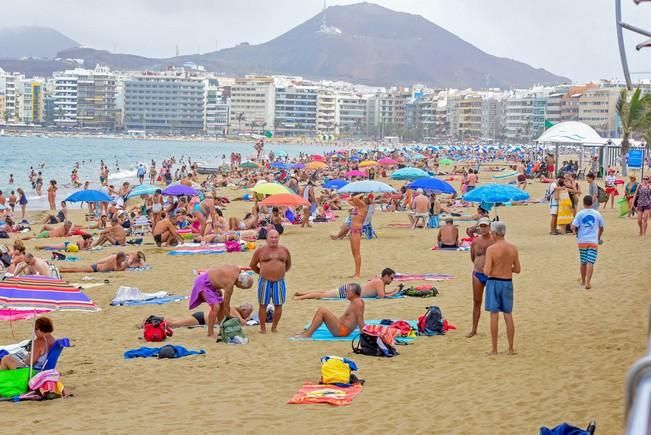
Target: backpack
(431, 323)
(373, 346)
(156, 329)
(549, 194)
(602, 196)
(230, 328)
(336, 370)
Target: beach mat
(460, 249)
(395, 296)
(402, 277)
(323, 334)
(198, 249)
(156, 301)
(333, 395)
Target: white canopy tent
(572, 133)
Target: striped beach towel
(402, 277)
(197, 248)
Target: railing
(638, 393)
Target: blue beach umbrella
(432, 184)
(409, 173)
(496, 193)
(88, 196)
(298, 165)
(143, 189)
(279, 165)
(366, 186)
(335, 184)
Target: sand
(574, 346)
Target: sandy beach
(574, 346)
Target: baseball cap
(484, 221)
(419, 190)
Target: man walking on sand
(478, 257)
(215, 287)
(588, 225)
(271, 262)
(502, 262)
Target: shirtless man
(271, 262)
(502, 261)
(373, 288)
(50, 231)
(478, 257)
(85, 245)
(522, 178)
(448, 236)
(112, 263)
(215, 287)
(198, 318)
(343, 326)
(114, 235)
(165, 230)
(420, 208)
(33, 266)
(472, 180)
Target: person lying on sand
(373, 288)
(198, 318)
(50, 231)
(112, 263)
(344, 325)
(84, 245)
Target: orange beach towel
(330, 394)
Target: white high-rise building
(252, 104)
(326, 110)
(350, 113)
(217, 110)
(8, 97)
(296, 110)
(29, 100)
(65, 98)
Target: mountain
(362, 43)
(39, 42)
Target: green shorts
(43, 235)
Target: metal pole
(620, 42)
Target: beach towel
(151, 352)
(197, 248)
(459, 249)
(323, 334)
(565, 212)
(128, 296)
(395, 296)
(86, 286)
(330, 394)
(11, 315)
(402, 277)
(139, 269)
(198, 272)
(564, 429)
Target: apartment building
(326, 111)
(171, 102)
(597, 108)
(469, 116)
(96, 98)
(8, 96)
(217, 120)
(64, 91)
(29, 99)
(253, 102)
(350, 113)
(296, 110)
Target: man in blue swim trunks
(502, 261)
(271, 262)
(477, 256)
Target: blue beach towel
(150, 352)
(156, 301)
(323, 334)
(563, 429)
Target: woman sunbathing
(39, 348)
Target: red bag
(156, 329)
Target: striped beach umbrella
(43, 293)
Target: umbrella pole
(31, 352)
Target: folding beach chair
(141, 226)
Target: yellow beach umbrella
(270, 189)
(367, 163)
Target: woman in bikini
(51, 194)
(204, 209)
(156, 206)
(357, 215)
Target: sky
(572, 38)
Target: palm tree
(240, 118)
(633, 117)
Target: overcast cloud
(574, 38)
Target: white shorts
(553, 210)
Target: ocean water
(58, 156)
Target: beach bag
(334, 370)
(156, 329)
(549, 193)
(233, 246)
(425, 291)
(431, 323)
(230, 328)
(622, 207)
(602, 196)
(372, 345)
(14, 382)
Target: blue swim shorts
(274, 291)
(499, 295)
(480, 277)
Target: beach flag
(548, 124)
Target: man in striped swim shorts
(271, 262)
(588, 225)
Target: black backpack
(372, 346)
(431, 323)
